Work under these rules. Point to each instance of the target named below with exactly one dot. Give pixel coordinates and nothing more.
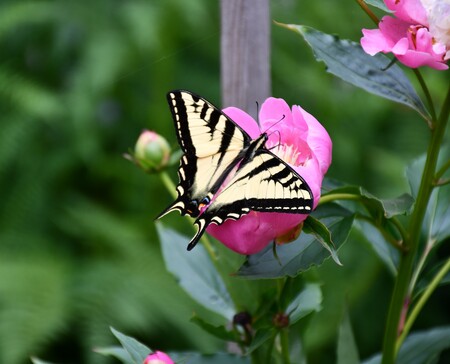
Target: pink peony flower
(301, 141)
(158, 357)
(407, 36)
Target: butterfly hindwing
(265, 184)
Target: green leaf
(195, 272)
(347, 351)
(437, 217)
(378, 4)
(426, 279)
(420, 347)
(347, 60)
(388, 208)
(322, 234)
(300, 255)
(307, 301)
(137, 351)
(218, 331)
(388, 255)
(116, 352)
(196, 358)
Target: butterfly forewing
(202, 128)
(212, 143)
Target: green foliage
(78, 251)
(76, 87)
(421, 347)
(195, 273)
(133, 352)
(299, 255)
(348, 61)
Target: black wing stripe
(179, 113)
(204, 110)
(261, 168)
(226, 140)
(214, 118)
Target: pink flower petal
(401, 47)
(251, 233)
(411, 11)
(318, 139)
(414, 59)
(244, 120)
(393, 29)
(373, 41)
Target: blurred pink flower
(302, 142)
(158, 357)
(407, 36)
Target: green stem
(399, 295)
(167, 182)
(338, 196)
(369, 12)
(400, 228)
(419, 266)
(427, 94)
(284, 341)
(423, 299)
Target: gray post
(245, 53)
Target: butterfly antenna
(257, 115)
(279, 121)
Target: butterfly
(224, 173)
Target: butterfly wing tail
(175, 206)
(201, 227)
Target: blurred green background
(79, 80)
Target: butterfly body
(224, 173)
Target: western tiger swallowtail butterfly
(224, 173)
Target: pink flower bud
(301, 141)
(151, 152)
(158, 357)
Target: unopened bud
(152, 151)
